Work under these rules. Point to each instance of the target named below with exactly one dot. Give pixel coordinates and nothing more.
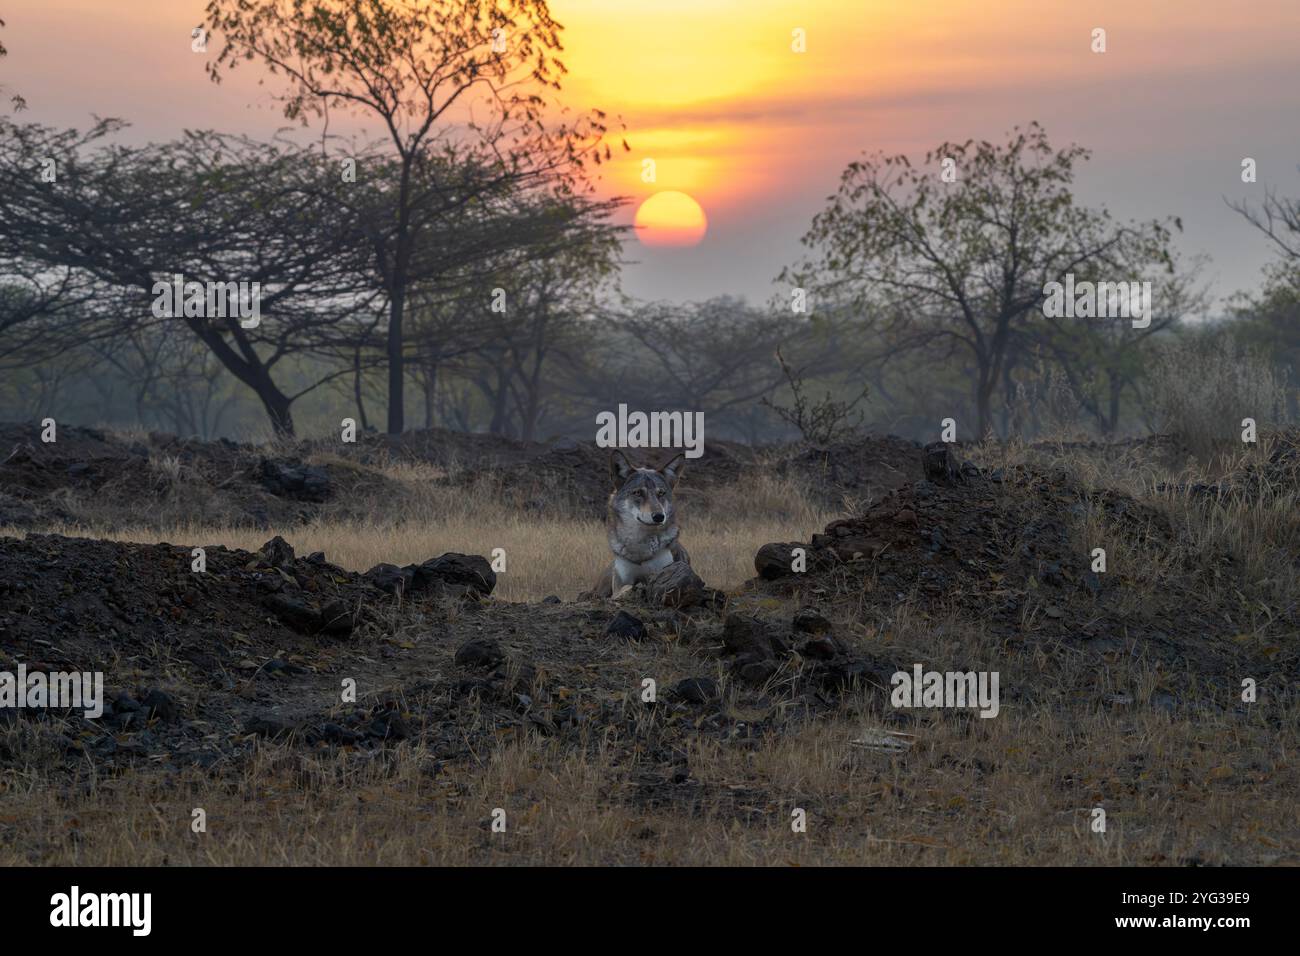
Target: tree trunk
(396, 416)
(430, 393)
(397, 306)
(356, 390)
(277, 409)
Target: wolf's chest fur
(630, 572)
(637, 547)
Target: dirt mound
(199, 666)
(444, 449)
(1014, 550)
(74, 599)
(94, 478)
(1278, 473)
(574, 475)
(856, 470)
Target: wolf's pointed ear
(619, 467)
(673, 470)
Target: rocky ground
(89, 476)
(959, 566)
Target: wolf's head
(643, 495)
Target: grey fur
(640, 545)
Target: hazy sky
(758, 134)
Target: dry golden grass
(1017, 790)
(544, 554)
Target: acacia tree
(957, 269)
(431, 71)
(90, 245)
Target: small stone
(480, 653)
(337, 619)
(822, 647)
(468, 575)
(626, 627)
(695, 690)
(756, 673)
(389, 578)
(292, 612)
(938, 464)
(676, 586)
(277, 552)
(808, 621)
(160, 705)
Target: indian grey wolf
(641, 523)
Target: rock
(293, 479)
(749, 635)
(337, 619)
(695, 690)
(626, 627)
(808, 621)
(754, 672)
(338, 735)
(480, 653)
(158, 704)
(775, 561)
(278, 552)
(293, 612)
(390, 578)
(938, 464)
(551, 599)
(388, 725)
(821, 647)
(455, 575)
(676, 586)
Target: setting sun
(670, 218)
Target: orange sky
(712, 91)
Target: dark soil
(201, 665)
(92, 478)
(1006, 550)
